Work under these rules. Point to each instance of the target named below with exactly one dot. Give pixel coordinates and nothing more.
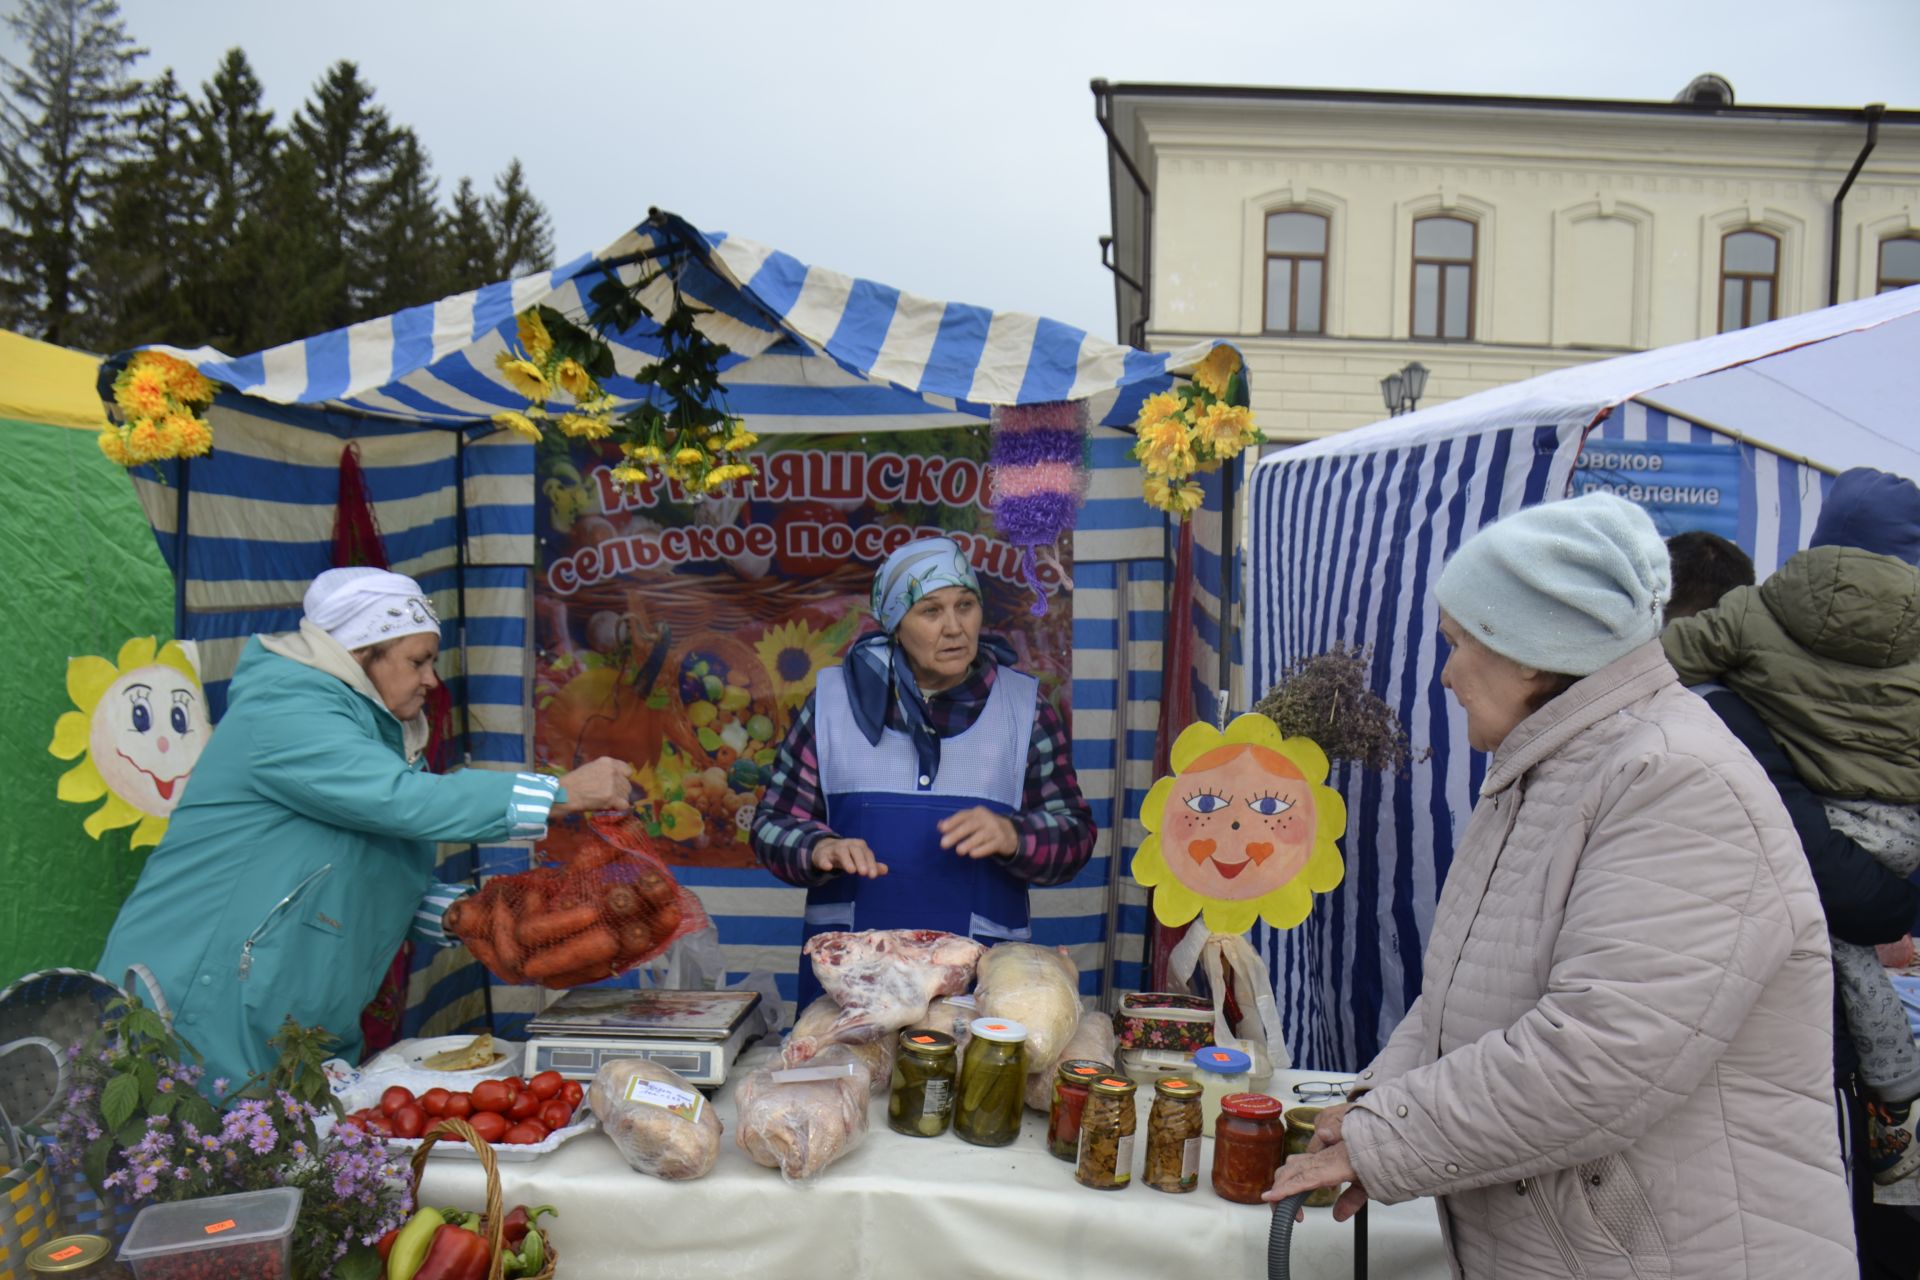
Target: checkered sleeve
(1055, 825)
(791, 817)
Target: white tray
(410, 1056)
(366, 1092)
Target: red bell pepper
(456, 1254)
(385, 1246)
(514, 1229)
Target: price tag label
(71, 1251)
(215, 1228)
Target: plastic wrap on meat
(802, 1128)
(883, 980)
(1092, 1040)
(662, 1124)
(877, 1055)
(953, 1015)
(1039, 988)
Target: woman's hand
(979, 832)
(605, 783)
(1327, 1127)
(837, 853)
(1326, 1167)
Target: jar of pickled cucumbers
(921, 1102)
(993, 1083)
(1106, 1135)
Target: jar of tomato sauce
(1070, 1084)
(1249, 1143)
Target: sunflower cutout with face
(140, 727)
(1243, 830)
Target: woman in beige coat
(1620, 1063)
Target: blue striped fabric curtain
(1345, 547)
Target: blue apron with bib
(876, 793)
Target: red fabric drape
(1176, 713)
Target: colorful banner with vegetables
(683, 635)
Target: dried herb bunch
(1325, 697)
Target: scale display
(696, 1034)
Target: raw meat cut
(883, 980)
(876, 1054)
(662, 1124)
(1039, 988)
(1092, 1040)
(802, 1128)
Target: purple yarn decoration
(1033, 511)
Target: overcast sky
(950, 149)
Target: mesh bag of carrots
(612, 906)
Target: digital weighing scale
(697, 1034)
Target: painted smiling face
(1240, 823)
(147, 734)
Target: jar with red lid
(1249, 1143)
(1070, 1085)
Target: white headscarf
(359, 607)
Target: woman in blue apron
(926, 783)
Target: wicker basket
(495, 1212)
(28, 1216)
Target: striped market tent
(811, 351)
(1348, 534)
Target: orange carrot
(597, 946)
(555, 926)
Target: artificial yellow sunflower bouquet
(160, 401)
(694, 442)
(1192, 429)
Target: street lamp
(1403, 388)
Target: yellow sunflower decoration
(1243, 830)
(139, 729)
(794, 654)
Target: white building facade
(1339, 235)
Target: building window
(1444, 251)
(1296, 273)
(1899, 263)
(1749, 279)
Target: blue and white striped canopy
(892, 360)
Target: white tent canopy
(1839, 386)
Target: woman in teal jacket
(302, 851)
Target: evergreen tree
(64, 120)
(404, 240)
(468, 256)
(350, 145)
(235, 155)
(287, 282)
(143, 253)
(522, 232)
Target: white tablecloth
(918, 1207)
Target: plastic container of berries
(248, 1236)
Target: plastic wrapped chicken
(803, 1125)
(811, 1028)
(662, 1124)
(1039, 988)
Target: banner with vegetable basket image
(684, 635)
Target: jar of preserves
(1105, 1158)
(1070, 1085)
(1299, 1134)
(1249, 1142)
(75, 1258)
(993, 1083)
(921, 1102)
(1173, 1136)
(1219, 1071)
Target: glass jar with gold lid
(1173, 1136)
(1106, 1135)
(75, 1258)
(921, 1101)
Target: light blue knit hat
(1565, 586)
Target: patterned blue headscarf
(876, 668)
